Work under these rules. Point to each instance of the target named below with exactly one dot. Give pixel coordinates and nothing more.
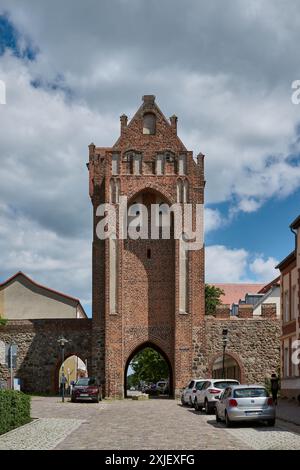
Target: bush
(14, 410)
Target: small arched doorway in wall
(148, 369)
(232, 369)
(73, 367)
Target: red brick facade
(147, 270)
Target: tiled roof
(236, 292)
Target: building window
(137, 164)
(115, 164)
(149, 124)
(133, 162)
(160, 164)
(182, 165)
(286, 306)
(295, 367)
(286, 362)
(294, 304)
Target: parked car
(245, 403)
(162, 387)
(189, 392)
(210, 392)
(86, 388)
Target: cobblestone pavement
(129, 424)
(40, 434)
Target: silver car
(245, 403)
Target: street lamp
(62, 341)
(224, 341)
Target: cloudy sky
(72, 68)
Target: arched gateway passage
(149, 369)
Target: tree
(212, 298)
(150, 366)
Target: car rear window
(86, 381)
(250, 393)
(223, 384)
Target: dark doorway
(148, 370)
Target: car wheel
(217, 417)
(207, 408)
(227, 421)
(271, 422)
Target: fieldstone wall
(39, 354)
(252, 342)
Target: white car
(210, 392)
(245, 403)
(189, 392)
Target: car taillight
(233, 402)
(270, 401)
(213, 390)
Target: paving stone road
(129, 424)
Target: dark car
(87, 388)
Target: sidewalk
(288, 411)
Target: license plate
(253, 412)
(84, 394)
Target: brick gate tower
(146, 292)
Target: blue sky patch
(10, 38)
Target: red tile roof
(236, 292)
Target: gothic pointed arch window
(149, 123)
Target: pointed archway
(165, 357)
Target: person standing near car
(274, 387)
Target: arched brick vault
(156, 188)
(156, 347)
(231, 354)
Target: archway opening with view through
(148, 370)
(73, 368)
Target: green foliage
(212, 298)
(14, 410)
(150, 366)
(3, 321)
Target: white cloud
(225, 264)
(264, 269)
(212, 219)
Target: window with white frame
(286, 306)
(295, 367)
(294, 303)
(286, 361)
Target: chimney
(92, 149)
(149, 100)
(173, 120)
(123, 120)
